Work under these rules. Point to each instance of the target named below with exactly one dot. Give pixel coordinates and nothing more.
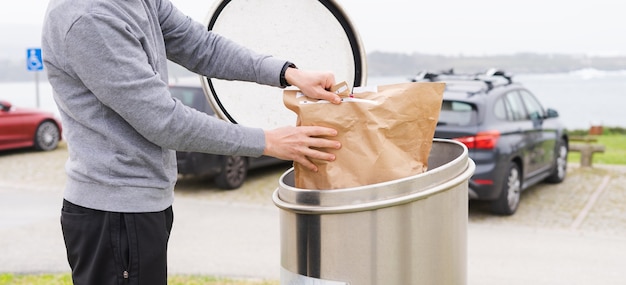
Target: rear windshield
(455, 113)
(187, 95)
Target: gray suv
(229, 172)
(514, 141)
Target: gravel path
(590, 199)
(570, 233)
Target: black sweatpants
(116, 248)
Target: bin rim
(468, 171)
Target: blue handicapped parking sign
(34, 62)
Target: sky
(447, 27)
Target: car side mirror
(551, 113)
(6, 106)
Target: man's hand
(313, 84)
(300, 144)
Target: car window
(188, 96)
(514, 106)
(457, 113)
(534, 108)
(500, 109)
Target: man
(107, 63)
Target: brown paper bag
(386, 133)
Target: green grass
(66, 279)
(614, 153)
(48, 279)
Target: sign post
(34, 62)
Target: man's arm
(204, 52)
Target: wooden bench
(586, 149)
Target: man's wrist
(283, 80)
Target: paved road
(241, 240)
(563, 234)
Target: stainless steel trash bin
(409, 231)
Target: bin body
(407, 231)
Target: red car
(24, 128)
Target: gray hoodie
(107, 63)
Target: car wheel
(233, 174)
(509, 198)
(560, 165)
(47, 136)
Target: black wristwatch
(283, 80)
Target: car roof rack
(491, 78)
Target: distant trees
(402, 64)
(380, 63)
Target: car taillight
(482, 140)
(483, 181)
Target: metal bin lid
(315, 35)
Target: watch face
(315, 35)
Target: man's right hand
(313, 84)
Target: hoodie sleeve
(112, 63)
(191, 45)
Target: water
(24, 94)
(583, 98)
